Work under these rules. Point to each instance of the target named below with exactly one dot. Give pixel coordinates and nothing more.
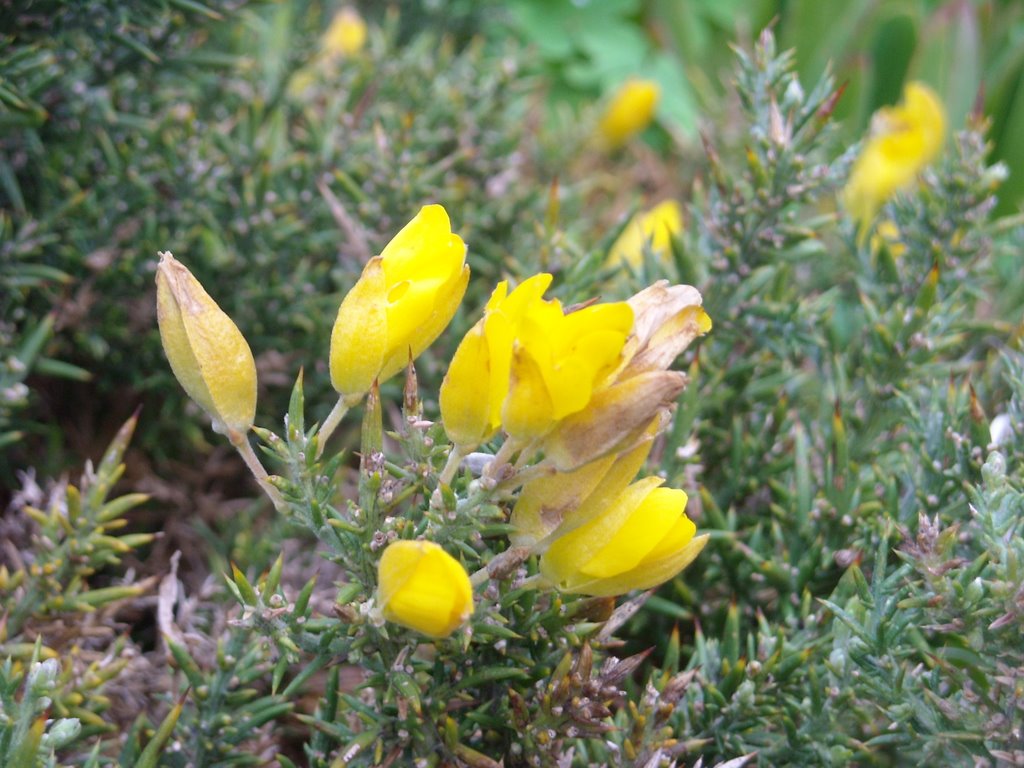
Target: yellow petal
(638, 535)
(467, 415)
(424, 249)
(568, 555)
(207, 352)
(649, 573)
(346, 34)
(422, 587)
(528, 412)
(359, 336)
(905, 138)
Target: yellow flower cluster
(904, 139)
(588, 387)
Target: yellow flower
(346, 34)
(403, 300)
(630, 110)
(561, 501)
(207, 352)
(654, 228)
(667, 319)
(527, 364)
(888, 234)
(422, 587)
(637, 541)
(904, 139)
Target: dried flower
(667, 319)
(403, 300)
(208, 354)
(904, 139)
(654, 228)
(422, 587)
(630, 110)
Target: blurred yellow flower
(654, 228)
(207, 352)
(904, 139)
(422, 587)
(888, 234)
(639, 539)
(346, 34)
(527, 363)
(630, 110)
(402, 301)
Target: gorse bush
(802, 384)
(227, 134)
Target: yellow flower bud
(639, 540)
(654, 228)
(630, 110)
(207, 352)
(346, 34)
(400, 304)
(904, 139)
(422, 587)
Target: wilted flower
(346, 34)
(637, 540)
(654, 228)
(402, 301)
(207, 352)
(422, 587)
(904, 139)
(527, 364)
(561, 501)
(630, 110)
(667, 319)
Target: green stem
(241, 443)
(331, 423)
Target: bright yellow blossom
(403, 300)
(528, 364)
(207, 352)
(346, 34)
(630, 110)
(637, 541)
(904, 139)
(422, 587)
(654, 228)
